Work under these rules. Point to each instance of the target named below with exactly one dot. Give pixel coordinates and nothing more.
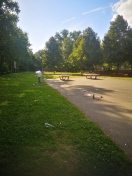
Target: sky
(41, 19)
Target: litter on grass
(48, 125)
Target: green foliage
(76, 51)
(74, 35)
(53, 54)
(114, 42)
(83, 50)
(66, 51)
(14, 44)
(86, 51)
(128, 47)
(64, 33)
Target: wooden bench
(64, 77)
(91, 75)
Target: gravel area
(110, 108)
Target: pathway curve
(112, 112)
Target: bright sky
(41, 19)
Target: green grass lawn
(72, 146)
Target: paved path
(113, 112)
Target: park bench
(64, 77)
(90, 75)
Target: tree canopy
(65, 51)
(70, 51)
(14, 43)
(114, 43)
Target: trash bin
(39, 76)
(40, 79)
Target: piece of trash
(125, 144)
(97, 97)
(93, 96)
(69, 94)
(48, 125)
(88, 95)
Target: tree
(92, 48)
(53, 54)
(22, 45)
(65, 41)
(114, 43)
(14, 44)
(8, 19)
(86, 50)
(66, 51)
(128, 47)
(77, 58)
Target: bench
(64, 77)
(91, 75)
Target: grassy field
(43, 134)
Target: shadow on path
(112, 112)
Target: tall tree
(65, 41)
(21, 44)
(86, 50)
(113, 43)
(14, 44)
(66, 51)
(128, 47)
(8, 18)
(77, 57)
(92, 48)
(53, 54)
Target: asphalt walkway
(111, 108)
